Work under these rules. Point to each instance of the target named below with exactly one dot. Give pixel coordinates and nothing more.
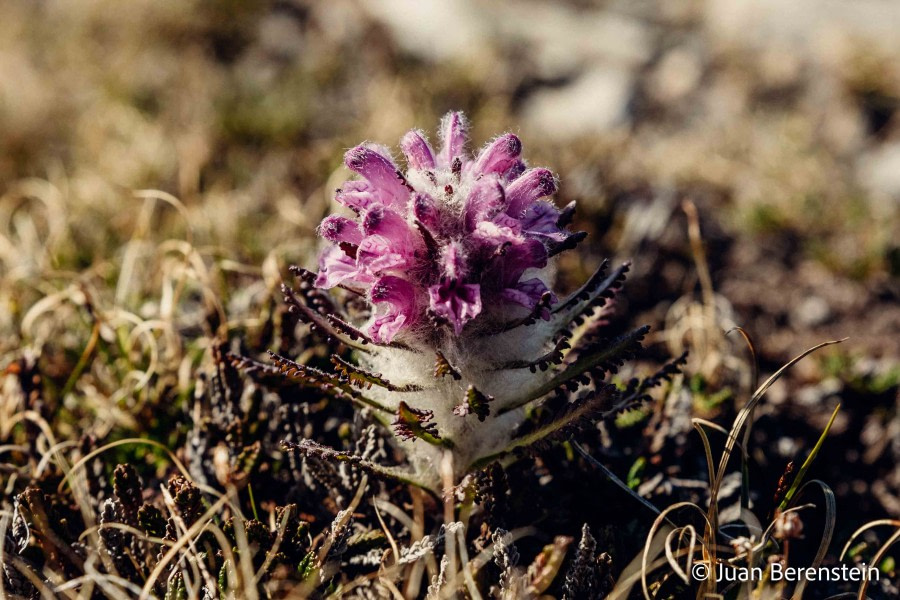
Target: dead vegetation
(160, 168)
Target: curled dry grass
(119, 297)
(126, 337)
(116, 348)
(708, 545)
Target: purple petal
(335, 267)
(376, 254)
(507, 268)
(357, 185)
(527, 189)
(528, 293)
(338, 230)
(454, 134)
(504, 220)
(492, 235)
(514, 171)
(484, 201)
(358, 196)
(400, 297)
(499, 156)
(457, 303)
(384, 329)
(541, 219)
(383, 221)
(419, 155)
(452, 261)
(379, 170)
(394, 228)
(426, 211)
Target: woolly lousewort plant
(441, 311)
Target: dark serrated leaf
(310, 448)
(347, 329)
(475, 403)
(638, 388)
(318, 322)
(589, 574)
(259, 372)
(442, 368)
(315, 298)
(593, 293)
(302, 373)
(553, 357)
(567, 244)
(362, 378)
(541, 310)
(411, 424)
(324, 382)
(591, 363)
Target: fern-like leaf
(558, 426)
(475, 403)
(592, 362)
(310, 448)
(442, 368)
(324, 382)
(544, 362)
(415, 423)
(362, 378)
(595, 292)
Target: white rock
(595, 103)
(879, 171)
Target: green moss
(765, 218)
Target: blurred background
(779, 122)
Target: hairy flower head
(467, 355)
(454, 241)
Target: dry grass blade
(387, 532)
(879, 554)
(343, 517)
(827, 532)
(742, 418)
(471, 586)
(691, 533)
(754, 383)
(633, 572)
(184, 540)
(882, 551)
(652, 535)
(706, 448)
(84, 460)
(612, 477)
(866, 527)
(270, 556)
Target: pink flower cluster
(449, 240)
